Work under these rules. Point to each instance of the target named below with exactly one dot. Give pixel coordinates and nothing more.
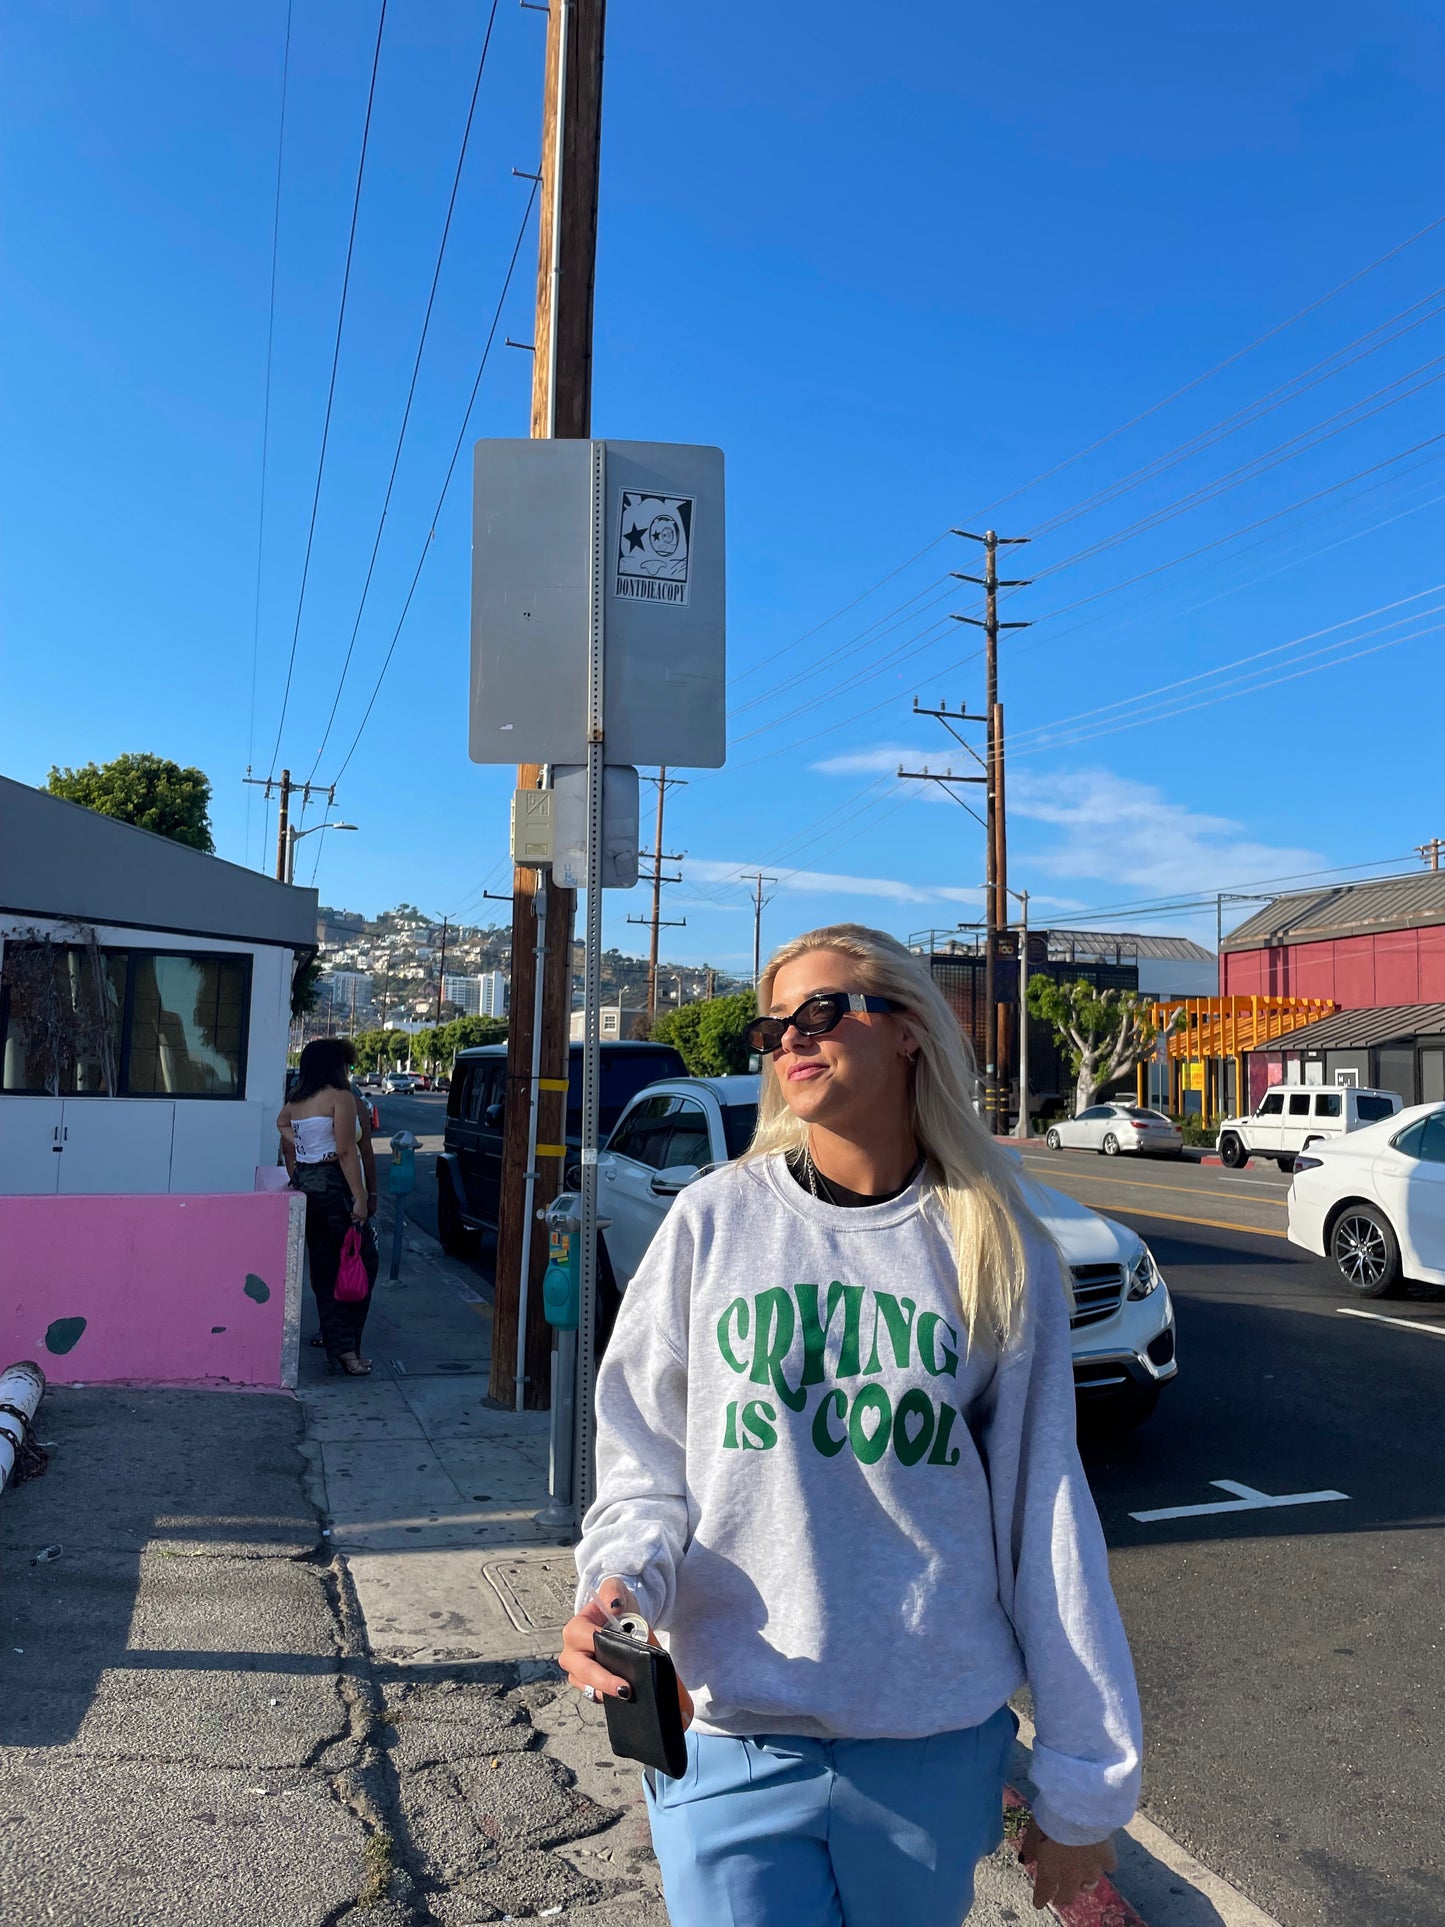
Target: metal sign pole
(583, 1478)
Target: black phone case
(648, 1727)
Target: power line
(1208, 702)
(1246, 416)
(411, 389)
(446, 484)
(807, 635)
(1176, 394)
(331, 386)
(266, 417)
(1217, 369)
(1348, 622)
(1133, 905)
(1282, 452)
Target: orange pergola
(1207, 1031)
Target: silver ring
(589, 1692)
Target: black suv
(469, 1169)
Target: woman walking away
(836, 1469)
(322, 1134)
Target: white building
(483, 996)
(145, 1004)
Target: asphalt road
(1292, 1660)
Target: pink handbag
(352, 1283)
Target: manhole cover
(536, 1592)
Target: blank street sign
(661, 575)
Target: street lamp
(294, 836)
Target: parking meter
(562, 1280)
(400, 1182)
(401, 1178)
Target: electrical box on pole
(532, 829)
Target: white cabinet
(218, 1146)
(30, 1146)
(115, 1145)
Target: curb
(1105, 1906)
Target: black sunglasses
(815, 1018)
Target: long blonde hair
(973, 1180)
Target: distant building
(482, 996)
(346, 992)
(613, 1021)
(1155, 966)
(1377, 949)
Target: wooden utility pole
(990, 583)
(441, 972)
(757, 879)
(658, 922)
(1002, 1005)
(1431, 851)
(285, 789)
(561, 406)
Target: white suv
(1123, 1319)
(1291, 1117)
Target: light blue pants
(786, 1832)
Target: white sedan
(1374, 1202)
(1112, 1128)
(1123, 1318)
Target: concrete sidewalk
(187, 1725)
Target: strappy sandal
(358, 1368)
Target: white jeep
(1291, 1117)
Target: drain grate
(536, 1589)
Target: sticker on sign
(654, 546)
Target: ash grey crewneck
(843, 1520)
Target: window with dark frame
(132, 1023)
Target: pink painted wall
(1368, 972)
(201, 1290)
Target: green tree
(680, 1029)
(1106, 1032)
(709, 1036)
(722, 1042)
(378, 1050)
(149, 791)
(305, 986)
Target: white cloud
(1113, 829)
(882, 761)
(832, 883)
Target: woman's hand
(359, 1212)
(1062, 1873)
(576, 1657)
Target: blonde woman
(836, 1470)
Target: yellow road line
(1215, 1224)
(1148, 1184)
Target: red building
(1376, 948)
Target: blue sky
(898, 270)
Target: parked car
(400, 1083)
(1123, 1318)
(469, 1166)
(1112, 1128)
(1289, 1118)
(1373, 1200)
